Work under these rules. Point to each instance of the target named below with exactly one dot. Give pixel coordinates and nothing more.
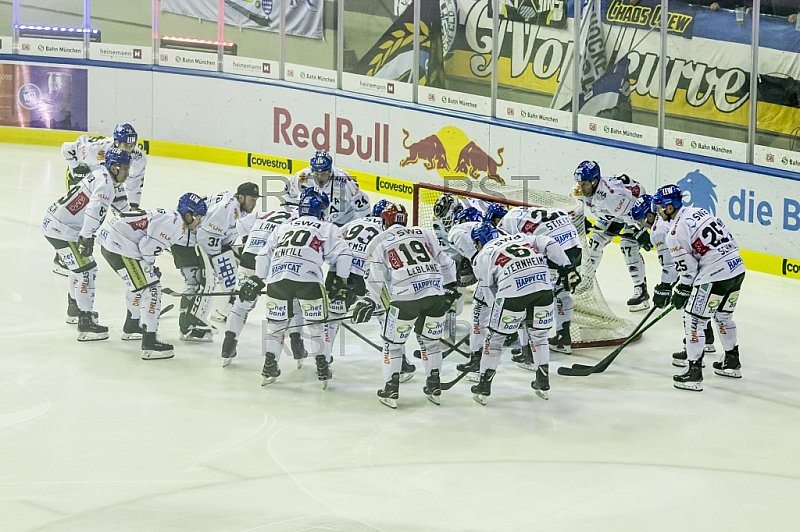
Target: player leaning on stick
(514, 273)
(130, 246)
(710, 274)
(610, 200)
(70, 225)
(415, 281)
(291, 265)
(644, 212)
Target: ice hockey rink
(94, 438)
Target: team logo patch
(80, 201)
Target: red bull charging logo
(453, 155)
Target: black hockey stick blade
(450, 348)
(362, 337)
(447, 385)
(166, 309)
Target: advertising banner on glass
(303, 18)
(47, 97)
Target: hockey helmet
(669, 195)
(125, 133)
(379, 207)
(193, 204)
(486, 232)
(321, 161)
(587, 171)
(314, 203)
(470, 214)
(643, 205)
(394, 214)
(495, 211)
(117, 156)
(444, 205)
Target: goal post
(594, 324)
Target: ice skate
(391, 392)
(407, 370)
(271, 372)
(298, 349)
(228, 348)
(729, 366)
(131, 330)
(433, 387)
(482, 390)
(640, 299)
(472, 366)
(154, 349)
(89, 330)
(692, 380)
(562, 341)
(197, 334)
(72, 310)
(524, 359)
(541, 385)
(324, 372)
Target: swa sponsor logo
(453, 155)
(733, 263)
(293, 267)
(526, 280)
(422, 285)
(698, 191)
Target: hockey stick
(166, 309)
(450, 348)
(362, 337)
(171, 292)
(580, 370)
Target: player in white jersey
(264, 224)
(610, 200)
(445, 210)
(514, 273)
(130, 246)
(644, 212)
(415, 281)
(558, 225)
(87, 153)
(206, 259)
(291, 265)
(70, 225)
(348, 202)
(710, 275)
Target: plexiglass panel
(188, 34)
(311, 36)
(127, 32)
(51, 29)
(254, 26)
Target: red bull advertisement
(452, 155)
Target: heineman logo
(452, 155)
(698, 191)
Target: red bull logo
(453, 155)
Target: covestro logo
(791, 269)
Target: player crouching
(513, 272)
(291, 263)
(407, 271)
(130, 246)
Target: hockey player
(130, 246)
(445, 210)
(415, 281)
(710, 274)
(87, 153)
(513, 271)
(70, 225)
(644, 212)
(291, 265)
(264, 225)
(558, 225)
(348, 202)
(205, 256)
(610, 200)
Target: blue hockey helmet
(117, 156)
(643, 205)
(484, 233)
(470, 214)
(125, 133)
(379, 207)
(495, 210)
(669, 195)
(587, 171)
(314, 203)
(193, 204)
(321, 161)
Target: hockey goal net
(593, 323)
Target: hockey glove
(681, 295)
(251, 288)
(336, 288)
(85, 246)
(662, 294)
(451, 293)
(570, 277)
(642, 236)
(363, 310)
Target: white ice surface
(94, 438)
